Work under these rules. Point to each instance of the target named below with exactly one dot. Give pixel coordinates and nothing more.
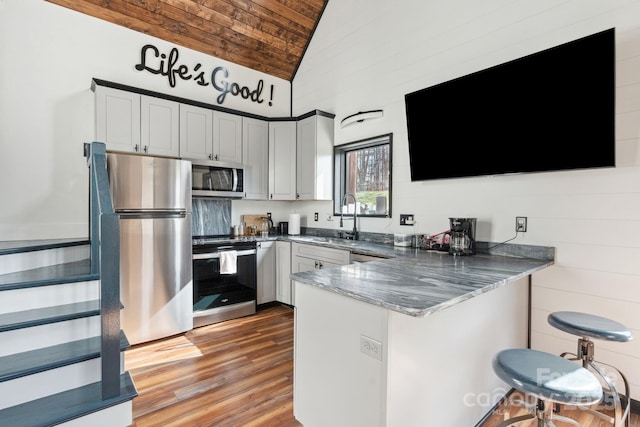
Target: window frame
(340, 181)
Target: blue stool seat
(547, 376)
(589, 325)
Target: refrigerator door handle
(128, 214)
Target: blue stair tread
(75, 271)
(31, 362)
(46, 315)
(19, 246)
(66, 406)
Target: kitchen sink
(332, 240)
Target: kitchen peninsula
(408, 341)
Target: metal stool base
(621, 403)
(543, 412)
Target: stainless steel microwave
(217, 179)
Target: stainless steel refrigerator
(153, 197)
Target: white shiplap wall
(368, 54)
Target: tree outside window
(363, 168)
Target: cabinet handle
(320, 264)
(271, 196)
(210, 156)
(146, 148)
(297, 195)
(316, 264)
(216, 157)
(136, 148)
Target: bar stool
(547, 378)
(588, 326)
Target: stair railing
(104, 229)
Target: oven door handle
(210, 255)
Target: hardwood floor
(237, 373)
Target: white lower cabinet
(309, 257)
(284, 292)
(266, 280)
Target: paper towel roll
(294, 224)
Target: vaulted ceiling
(270, 36)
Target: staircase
(50, 339)
(61, 346)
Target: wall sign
(154, 62)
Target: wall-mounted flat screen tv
(549, 111)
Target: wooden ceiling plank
(288, 22)
(175, 21)
(219, 48)
(266, 35)
(290, 44)
(302, 7)
(286, 12)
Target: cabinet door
(328, 256)
(266, 280)
(227, 137)
(159, 133)
(118, 119)
(284, 292)
(255, 148)
(315, 158)
(299, 264)
(282, 160)
(196, 132)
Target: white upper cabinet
(282, 160)
(210, 135)
(196, 132)
(159, 133)
(227, 137)
(255, 148)
(130, 122)
(118, 119)
(315, 158)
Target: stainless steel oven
(220, 293)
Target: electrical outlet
(521, 224)
(406, 219)
(315, 216)
(371, 347)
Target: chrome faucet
(353, 235)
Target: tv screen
(549, 111)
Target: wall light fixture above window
(360, 117)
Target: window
(363, 169)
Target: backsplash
(210, 217)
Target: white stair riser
(20, 340)
(114, 416)
(47, 296)
(12, 263)
(53, 381)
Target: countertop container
(404, 240)
(294, 224)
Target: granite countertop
(413, 281)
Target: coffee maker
(462, 236)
